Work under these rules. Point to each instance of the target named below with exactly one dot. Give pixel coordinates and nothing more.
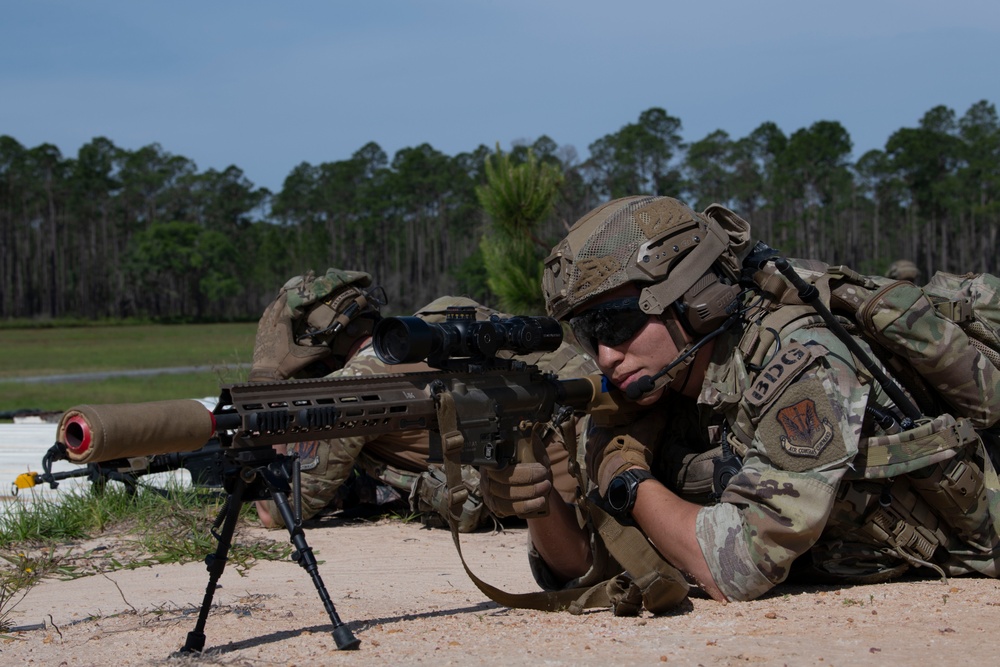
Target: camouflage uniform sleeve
(805, 410)
(327, 464)
(345, 451)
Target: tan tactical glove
(522, 489)
(611, 451)
(276, 355)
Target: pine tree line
(114, 233)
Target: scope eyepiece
(406, 340)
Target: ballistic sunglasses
(611, 323)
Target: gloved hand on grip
(276, 355)
(522, 489)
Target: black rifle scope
(407, 340)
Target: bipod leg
(303, 555)
(216, 562)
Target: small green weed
(90, 511)
(407, 516)
(15, 581)
(85, 532)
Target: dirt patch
(403, 592)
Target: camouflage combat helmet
(679, 260)
(332, 308)
(903, 269)
(311, 327)
(639, 239)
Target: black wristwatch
(620, 498)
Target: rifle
(205, 466)
(480, 408)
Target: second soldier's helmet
(903, 269)
(313, 324)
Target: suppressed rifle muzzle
(95, 433)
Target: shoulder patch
(778, 373)
(800, 431)
(806, 433)
(308, 453)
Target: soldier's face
(648, 350)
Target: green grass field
(226, 349)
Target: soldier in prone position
(321, 326)
(820, 472)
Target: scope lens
(402, 340)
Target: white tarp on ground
(22, 447)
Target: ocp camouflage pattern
(804, 488)
(906, 322)
(306, 290)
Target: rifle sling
(452, 441)
(662, 586)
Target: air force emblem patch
(308, 453)
(805, 432)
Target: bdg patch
(778, 374)
(806, 433)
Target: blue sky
(266, 86)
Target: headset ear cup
(709, 303)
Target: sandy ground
(402, 590)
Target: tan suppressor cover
(96, 433)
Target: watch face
(618, 494)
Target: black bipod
(266, 478)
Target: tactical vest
(939, 342)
